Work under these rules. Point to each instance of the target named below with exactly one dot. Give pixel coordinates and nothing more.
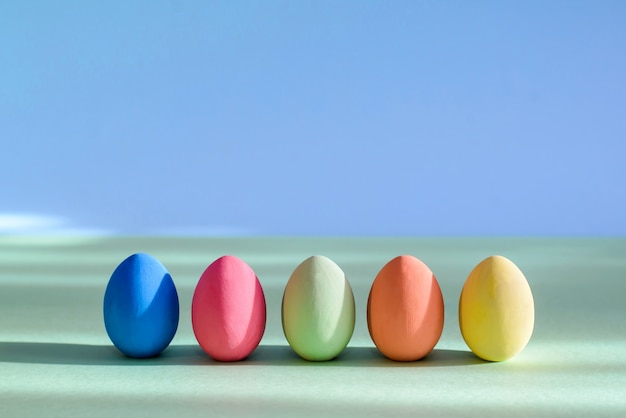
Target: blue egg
(141, 307)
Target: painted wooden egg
(496, 310)
(405, 309)
(228, 311)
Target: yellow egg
(496, 309)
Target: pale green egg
(318, 309)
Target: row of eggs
(405, 309)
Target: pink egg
(228, 310)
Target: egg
(228, 311)
(496, 310)
(141, 307)
(318, 310)
(405, 309)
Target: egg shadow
(282, 355)
(192, 355)
(95, 355)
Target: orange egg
(405, 309)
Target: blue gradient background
(313, 118)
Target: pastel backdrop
(313, 118)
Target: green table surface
(56, 359)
